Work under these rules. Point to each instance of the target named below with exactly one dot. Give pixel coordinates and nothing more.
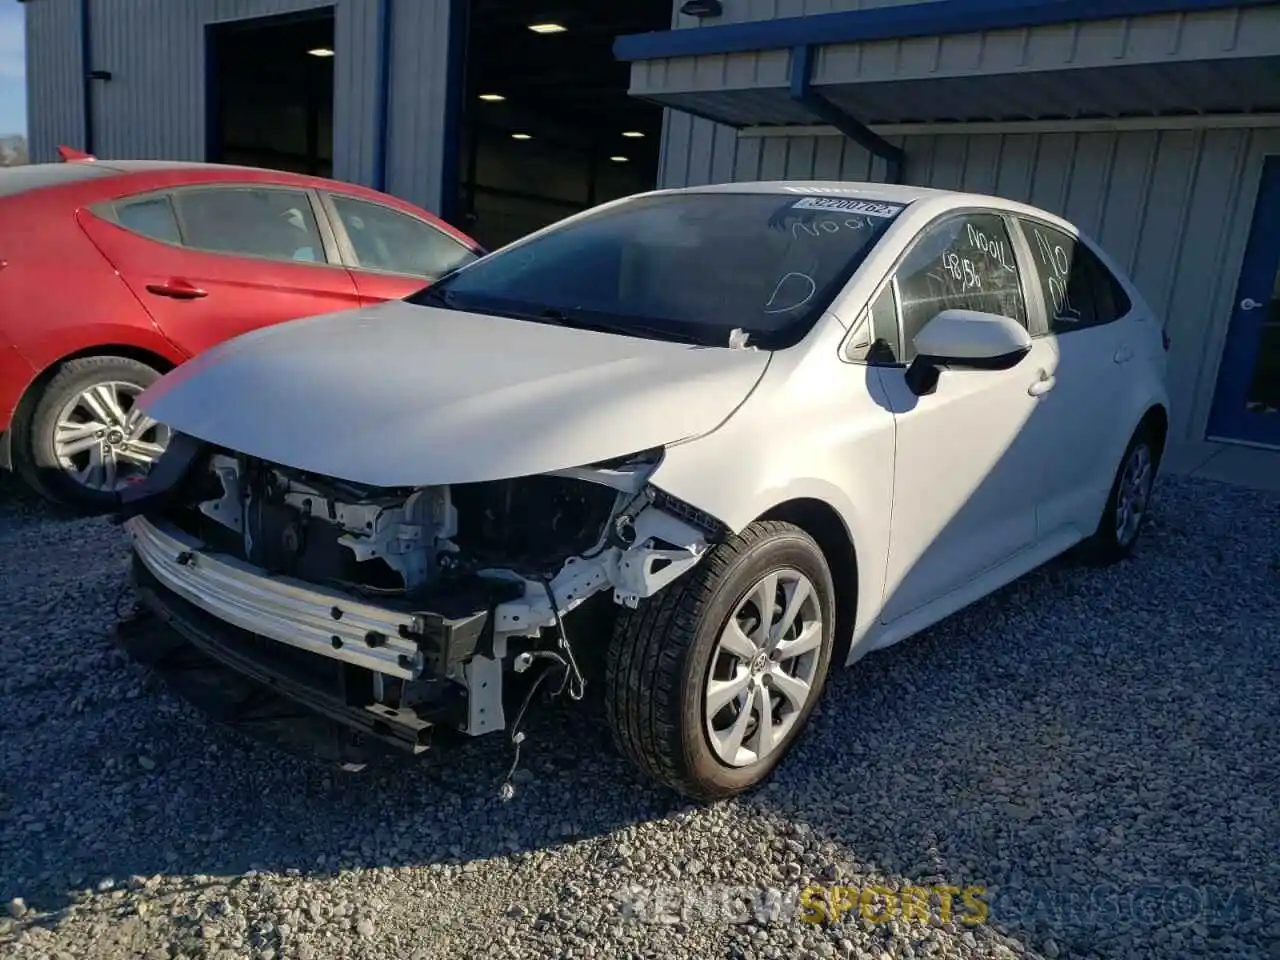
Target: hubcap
(103, 442)
(763, 668)
(1133, 494)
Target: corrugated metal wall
(739, 11)
(419, 84)
(54, 102)
(1173, 206)
(154, 104)
(1164, 38)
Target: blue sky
(13, 86)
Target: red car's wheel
(84, 439)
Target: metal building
(1154, 124)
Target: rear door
(1091, 332)
(213, 262)
(390, 252)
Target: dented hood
(403, 395)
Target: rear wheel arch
(823, 522)
(156, 361)
(1156, 419)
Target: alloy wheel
(763, 668)
(103, 441)
(1133, 494)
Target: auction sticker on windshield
(867, 208)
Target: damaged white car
(758, 427)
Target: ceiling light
(521, 136)
(634, 134)
(547, 28)
(321, 52)
(492, 97)
(618, 159)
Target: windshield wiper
(625, 328)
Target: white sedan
(760, 428)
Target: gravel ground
(1098, 750)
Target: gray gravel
(1099, 750)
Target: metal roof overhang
(789, 74)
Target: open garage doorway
(547, 126)
(270, 89)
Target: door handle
(1042, 386)
(1248, 303)
(1123, 355)
(177, 290)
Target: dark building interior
(564, 136)
(271, 93)
(547, 127)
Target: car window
(386, 239)
(695, 266)
(1079, 291)
(276, 224)
(963, 263)
(150, 216)
(876, 338)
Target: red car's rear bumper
(15, 375)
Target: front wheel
(709, 683)
(84, 439)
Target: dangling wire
(573, 676)
(571, 679)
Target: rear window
(694, 265)
(34, 176)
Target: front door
(1246, 406)
(968, 461)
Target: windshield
(683, 266)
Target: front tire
(1128, 503)
(83, 441)
(705, 694)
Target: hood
(403, 395)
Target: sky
(13, 70)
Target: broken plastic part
(738, 339)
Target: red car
(113, 272)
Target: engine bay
(396, 543)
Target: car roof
(906, 194)
(887, 192)
(156, 166)
(35, 176)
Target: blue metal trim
(802, 92)
(895, 23)
(382, 132)
(86, 67)
(212, 96)
(454, 110)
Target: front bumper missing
(292, 700)
(319, 621)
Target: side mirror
(965, 338)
